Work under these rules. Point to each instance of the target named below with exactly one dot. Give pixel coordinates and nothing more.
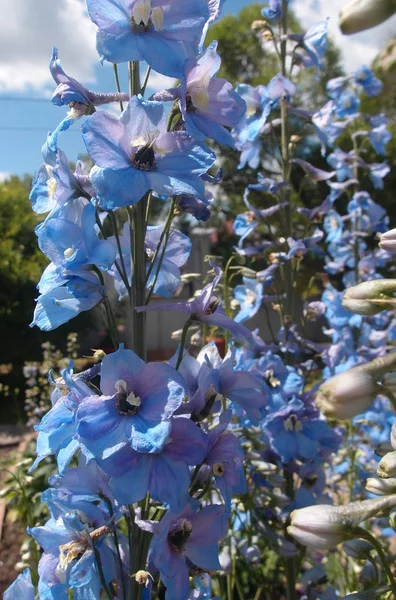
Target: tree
(246, 59)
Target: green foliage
(21, 262)
(243, 60)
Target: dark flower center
(178, 538)
(144, 159)
(213, 306)
(189, 103)
(127, 402)
(140, 27)
(218, 469)
(292, 423)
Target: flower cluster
(160, 462)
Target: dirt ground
(11, 534)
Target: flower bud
(381, 487)
(358, 549)
(373, 592)
(348, 394)
(370, 297)
(388, 240)
(382, 448)
(324, 526)
(387, 466)
(359, 15)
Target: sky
(32, 28)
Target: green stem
(111, 323)
(110, 320)
(145, 80)
(124, 274)
(137, 221)
(168, 222)
(290, 563)
(365, 535)
(101, 574)
(117, 80)
(226, 295)
(183, 342)
(285, 192)
(164, 242)
(116, 264)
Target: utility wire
(20, 99)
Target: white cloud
(356, 49)
(159, 82)
(4, 176)
(29, 29)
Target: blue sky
(26, 39)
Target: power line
(19, 99)
(34, 129)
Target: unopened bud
(348, 394)
(381, 487)
(324, 526)
(370, 297)
(257, 25)
(359, 15)
(358, 548)
(368, 576)
(388, 240)
(373, 592)
(387, 466)
(98, 354)
(382, 448)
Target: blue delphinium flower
(342, 162)
(136, 407)
(69, 239)
(208, 104)
(335, 86)
(69, 560)
(225, 457)
(258, 108)
(273, 10)
(242, 388)
(84, 488)
(333, 225)
(280, 88)
(134, 154)
(314, 42)
(68, 285)
(71, 92)
(249, 296)
(206, 308)
(183, 540)
(175, 256)
(326, 127)
(162, 33)
(377, 173)
(54, 184)
(298, 432)
(21, 589)
(199, 208)
(379, 135)
(57, 429)
(165, 474)
(372, 86)
(80, 100)
(67, 298)
(346, 105)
